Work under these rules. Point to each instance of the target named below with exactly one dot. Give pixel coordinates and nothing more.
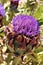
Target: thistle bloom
(25, 25)
(2, 10)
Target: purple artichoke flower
(25, 25)
(2, 10)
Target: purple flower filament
(2, 10)
(25, 25)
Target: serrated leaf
(2, 34)
(39, 49)
(33, 58)
(10, 48)
(16, 61)
(40, 57)
(2, 28)
(8, 59)
(38, 13)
